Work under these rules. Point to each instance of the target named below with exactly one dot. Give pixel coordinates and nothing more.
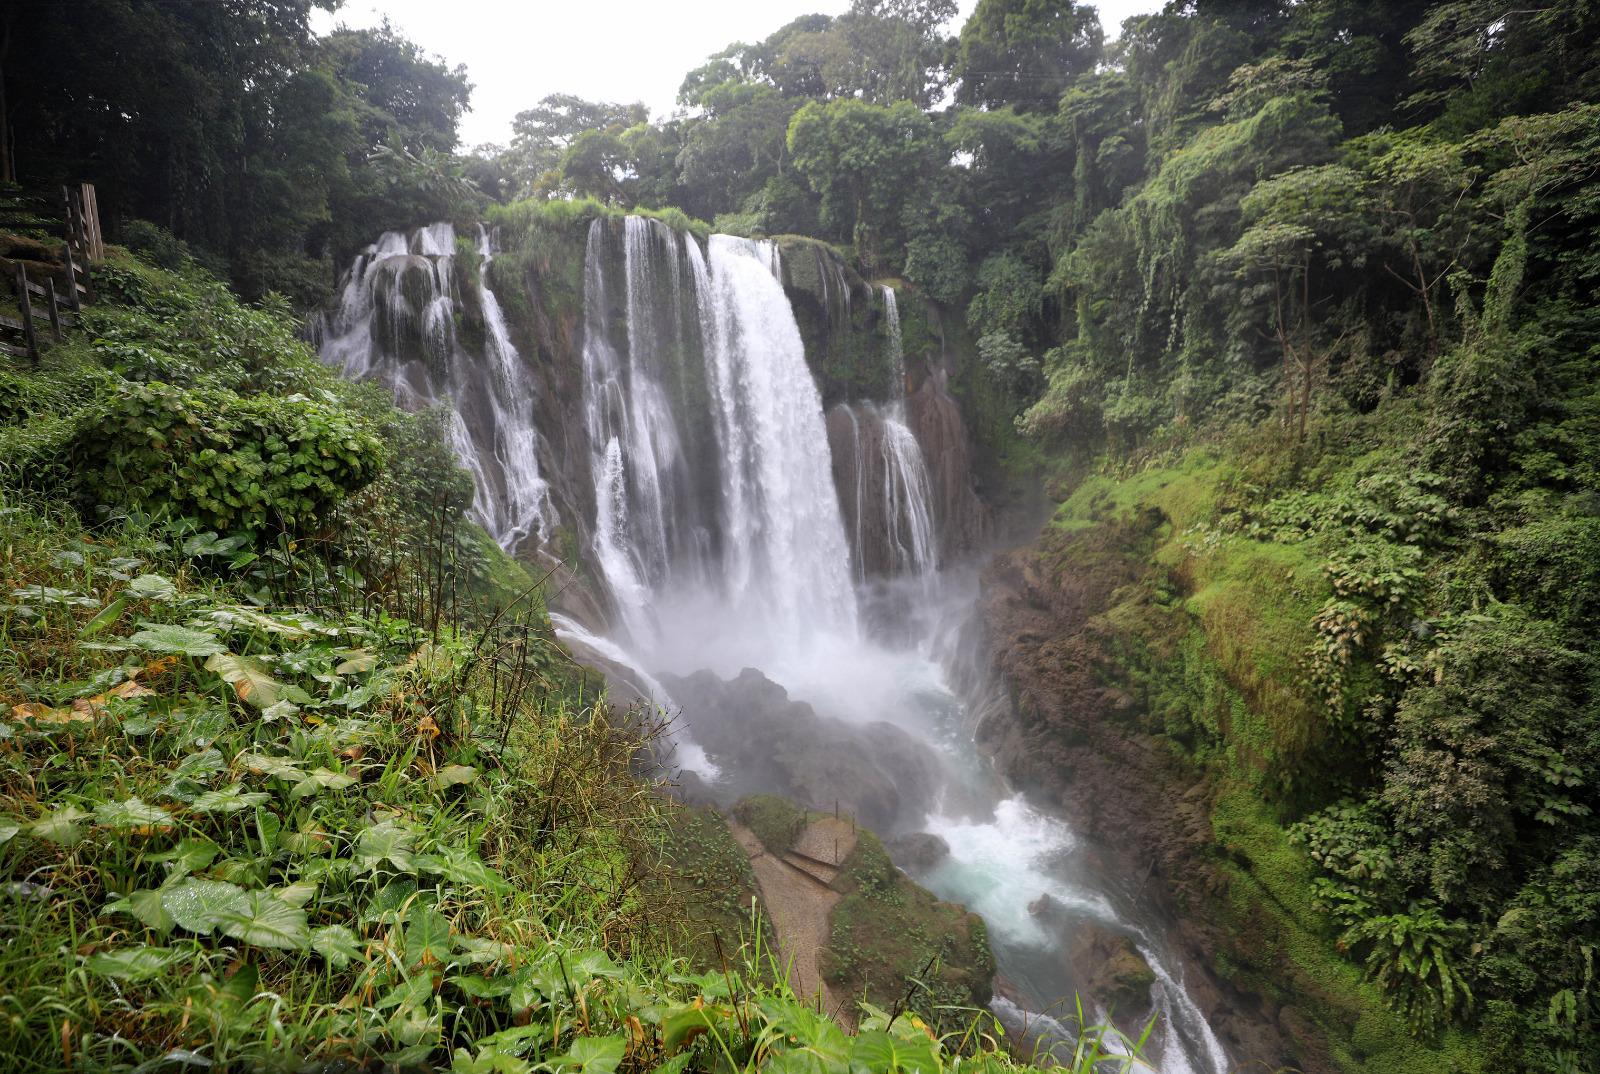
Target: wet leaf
(427, 936)
(63, 826)
(322, 779)
(385, 842)
(130, 813)
(592, 1055)
(249, 678)
(297, 894)
(229, 800)
(203, 905)
(356, 660)
(452, 774)
(152, 587)
(133, 963)
(336, 944)
(268, 765)
(182, 641)
(144, 905)
(262, 920)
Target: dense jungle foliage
(292, 772)
(1313, 280)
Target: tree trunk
(8, 163)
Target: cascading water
(396, 321)
(777, 564)
(730, 533)
(883, 476)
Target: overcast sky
(611, 50)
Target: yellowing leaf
(249, 678)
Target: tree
(865, 161)
(542, 135)
(1025, 52)
(735, 148)
(1303, 223)
(411, 99)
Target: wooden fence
(19, 336)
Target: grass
(269, 803)
(706, 876)
(895, 944)
(1292, 952)
(372, 847)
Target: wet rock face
(1114, 975)
(917, 852)
(1075, 734)
(764, 742)
(936, 421)
(846, 341)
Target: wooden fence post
(52, 304)
(89, 208)
(72, 281)
(24, 301)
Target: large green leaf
(264, 920)
(64, 826)
(232, 617)
(337, 944)
(229, 800)
(130, 813)
(166, 638)
(189, 856)
(427, 936)
(592, 1055)
(152, 587)
(585, 966)
(386, 841)
(356, 660)
(201, 905)
(322, 779)
(133, 963)
(877, 1052)
(461, 866)
(145, 905)
(250, 679)
(9, 826)
(266, 764)
(452, 774)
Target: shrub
(231, 462)
(155, 243)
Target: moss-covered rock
(841, 321)
(888, 934)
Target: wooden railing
(19, 336)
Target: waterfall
(711, 349)
(525, 508)
(897, 352)
(737, 526)
(883, 478)
(395, 321)
(788, 554)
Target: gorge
(759, 567)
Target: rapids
(733, 524)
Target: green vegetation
(281, 787)
(707, 877)
(894, 943)
(1289, 305)
(777, 822)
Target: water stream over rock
(786, 575)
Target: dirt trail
(798, 900)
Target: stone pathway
(796, 892)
